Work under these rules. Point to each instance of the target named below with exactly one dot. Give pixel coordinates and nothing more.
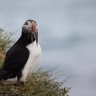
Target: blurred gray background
(67, 35)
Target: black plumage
(16, 57)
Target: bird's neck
(24, 40)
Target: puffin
(23, 57)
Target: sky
(67, 35)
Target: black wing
(14, 62)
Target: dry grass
(39, 84)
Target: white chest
(34, 56)
(33, 60)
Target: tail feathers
(2, 74)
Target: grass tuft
(39, 83)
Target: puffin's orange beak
(34, 27)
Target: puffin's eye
(26, 23)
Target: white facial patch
(26, 27)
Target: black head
(29, 28)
